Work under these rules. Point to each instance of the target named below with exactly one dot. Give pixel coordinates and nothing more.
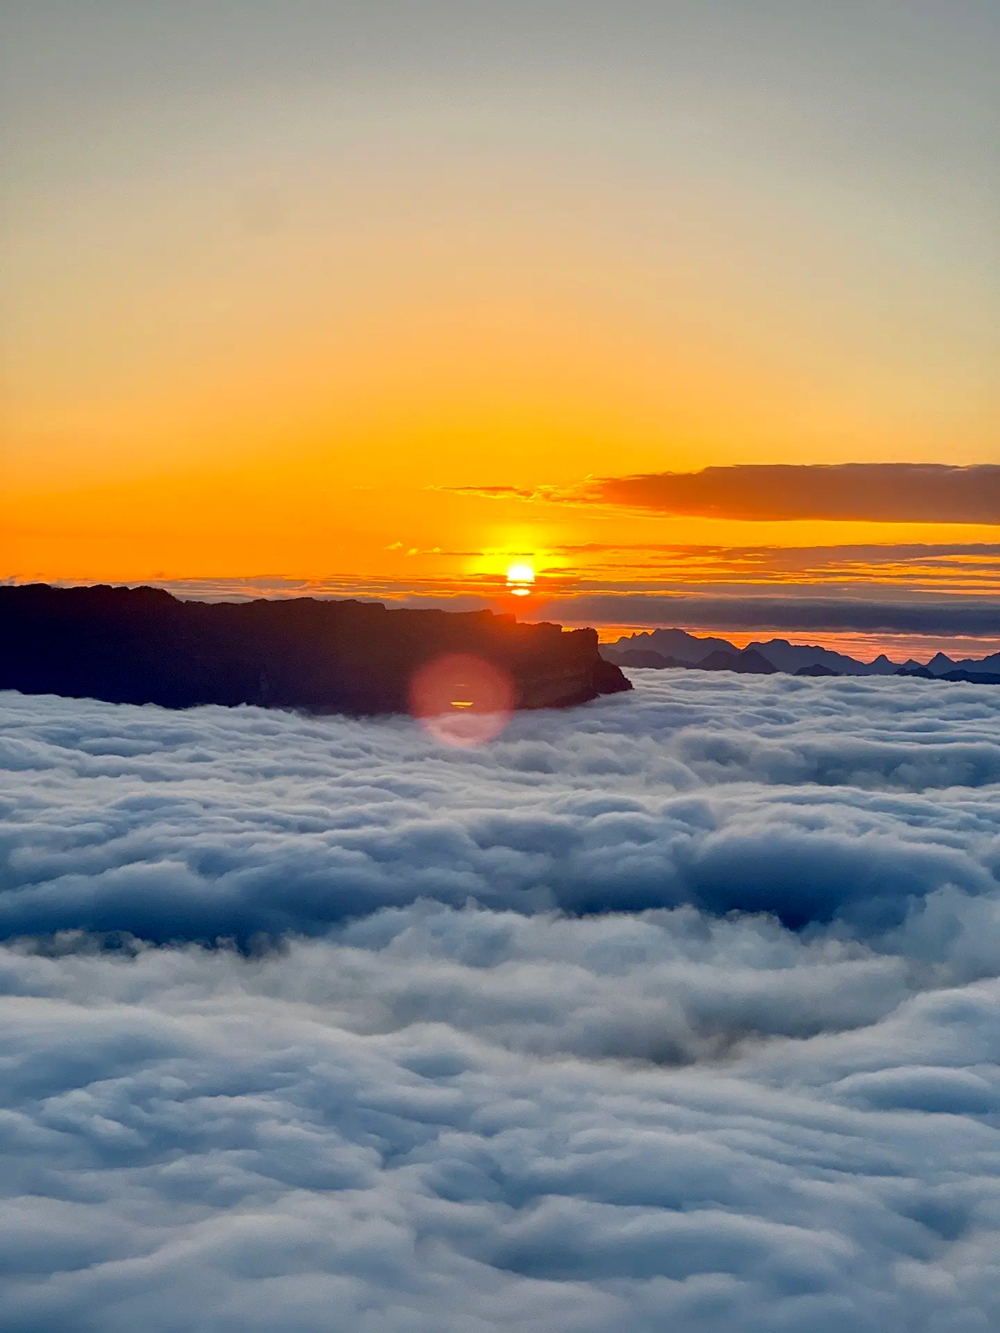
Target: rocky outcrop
(142, 645)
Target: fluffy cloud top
(519, 1039)
(840, 800)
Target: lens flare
(462, 700)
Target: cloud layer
(781, 797)
(876, 492)
(955, 616)
(509, 1060)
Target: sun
(520, 574)
(520, 577)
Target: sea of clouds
(680, 1010)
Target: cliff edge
(142, 645)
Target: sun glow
(520, 574)
(520, 577)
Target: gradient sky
(290, 284)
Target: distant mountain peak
(661, 648)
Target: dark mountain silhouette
(881, 666)
(980, 665)
(690, 650)
(686, 648)
(748, 662)
(677, 648)
(971, 677)
(645, 657)
(791, 657)
(940, 663)
(141, 645)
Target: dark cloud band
(979, 618)
(875, 492)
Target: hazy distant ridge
(678, 648)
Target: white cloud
(809, 800)
(417, 1114)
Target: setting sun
(520, 574)
(520, 577)
(500, 666)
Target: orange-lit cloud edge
(899, 586)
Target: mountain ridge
(680, 649)
(142, 645)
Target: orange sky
(262, 310)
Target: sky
(385, 297)
(679, 1009)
